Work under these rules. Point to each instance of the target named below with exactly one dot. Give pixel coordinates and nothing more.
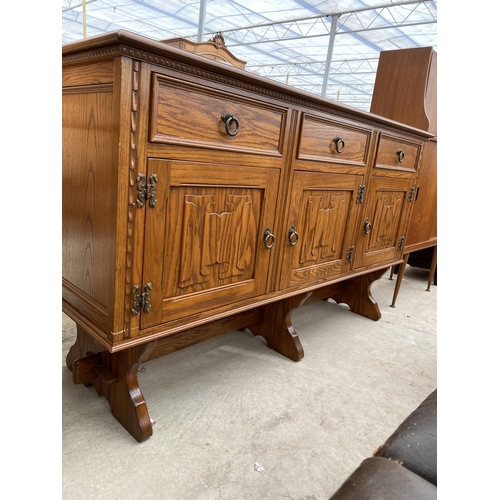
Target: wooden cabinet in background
(406, 91)
(200, 199)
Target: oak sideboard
(199, 198)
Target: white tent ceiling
(327, 47)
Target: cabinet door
(384, 220)
(204, 240)
(320, 227)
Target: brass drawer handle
(401, 155)
(293, 236)
(229, 119)
(339, 144)
(268, 238)
(367, 227)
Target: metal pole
(201, 22)
(333, 30)
(84, 10)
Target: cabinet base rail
(115, 375)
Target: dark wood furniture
(406, 90)
(405, 466)
(200, 199)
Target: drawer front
(333, 141)
(397, 154)
(188, 114)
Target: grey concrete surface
(235, 420)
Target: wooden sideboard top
(157, 52)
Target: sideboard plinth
(115, 375)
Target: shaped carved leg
(356, 293)
(115, 377)
(276, 327)
(84, 346)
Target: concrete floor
(235, 420)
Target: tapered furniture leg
(393, 268)
(401, 273)
(356, 293)
(275, 325)
(433, 268)
(115, 377)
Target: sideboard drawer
(333, 141)
(184, 113)
(396, 153)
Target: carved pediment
(214, 49)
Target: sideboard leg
(393, 268)
(84, 346)
(115, 377)
(276, 327)
(401, 273)
(356, 293)
(433, 268)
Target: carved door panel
(204, 240)
(320, 227)
(384, 221)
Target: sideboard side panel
(87, 191)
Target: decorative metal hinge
(400, 243)
(361, 194)
(146, 191)
(141, 299)
(411, 194)
(350, 252)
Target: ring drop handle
(229, 120)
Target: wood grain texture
(207, 49)
(88, 196)
(208, 227)
(387, 209)
(201, 333)
(387, 154)
(275, 325)
(191, 114)
(215, 246)
(406, 90)
(401, 82)
(317, 141)
(423, 223)
(356, 293)
(90, 73)
(114, 377)
(321, 202)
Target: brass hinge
(350, 252)
(361, 193)
(400, 243)
(141, 299)
(146, 191)
(411, 193)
